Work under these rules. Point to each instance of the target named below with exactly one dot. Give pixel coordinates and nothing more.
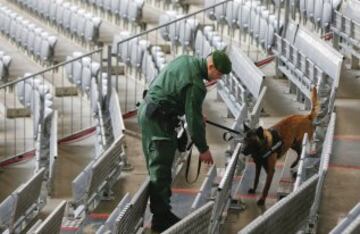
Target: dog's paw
(251, 191)
(261, 202)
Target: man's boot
(162, 222)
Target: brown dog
(289, 132)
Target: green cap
(221, 61)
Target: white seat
(92, 28)
(81, 21)
(124, 9)
(232, 9)
(59, 13)
(135, 10)
(138, 52)
(163, 19)
(115, 7)
(31, 38)
(37, 41)
(47, 47)
(66, 16)
(211, 12)
(74, 19)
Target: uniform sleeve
(194, 99)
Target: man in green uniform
(179, 89)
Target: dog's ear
(246, 128)
(260, 132)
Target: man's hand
(206, 157)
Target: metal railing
(74, 114)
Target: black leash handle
(189, 148)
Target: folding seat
(244, 16)
(269, 39)
(163, 19)
(318, 10)
(85, 81)
(37, 6)
(69, 66)
(74, 19)
(24, 33)
(94, 96)
(137, 52)
(255, 22)
(52, 11)
(99, 3)
(211, 12)
(202, 46)
(232, 9)
(13, 25)
(115, 7)
(37, 42)
(207, 30)
(124, 4)
(220, 12)
(20, 91)
(174, 30)
(77, 72)
(48, 108)
(92, 26)
(107, 5)
(30, 38)
(47, 47)
(264, 26)
(7, 23)
(66, 16)
(302, 7)
(59, 13)
(327, 13)
(81, 21)
(122, 49)
(187, 32)
(45, 9)
(19, 28)
(135, 10)
(310, 4)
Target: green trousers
(159, 145)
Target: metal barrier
(74, 113)
(346, 29)
(110, 223)
(223, 194)
(94, 183)
(289, 214)
(196, 222)
(18, 210)
(350, 224)
(324, 164)
(52, 223)
(307, 61)
(205, 192)
(132, 217)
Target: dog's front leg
(256, 180)
(270, 170)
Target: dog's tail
(315, 105)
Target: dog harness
(276, 144)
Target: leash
(226, 136)
(189, 148)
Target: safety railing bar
(171, 22)
(50, 68)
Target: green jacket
(180, 88)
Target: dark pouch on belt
(151, 110)
(182, 142)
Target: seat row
(33, 39)
(68, 17)
(83, 72)
(139, 54)
(125, 9)
(179, 33)
(5, 62)
(248, 16)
